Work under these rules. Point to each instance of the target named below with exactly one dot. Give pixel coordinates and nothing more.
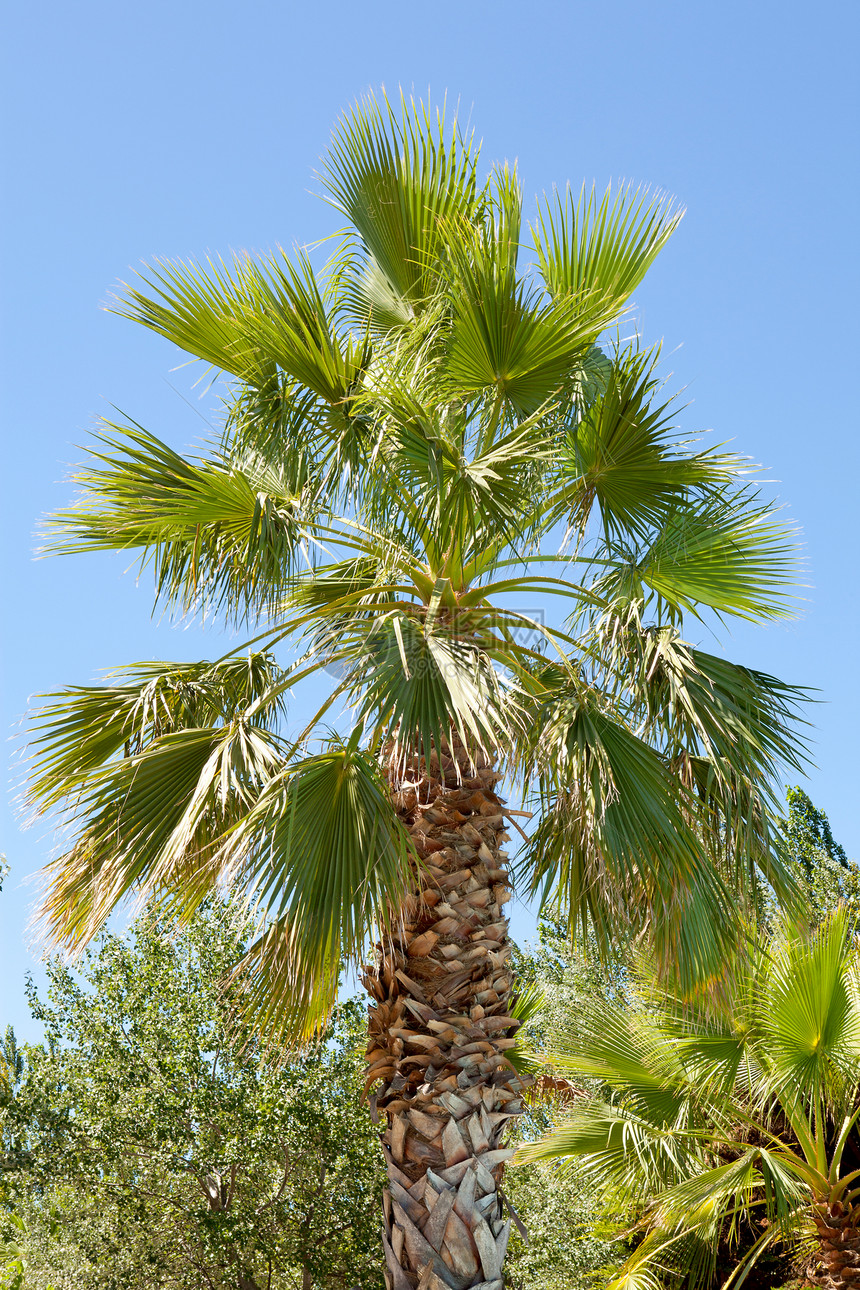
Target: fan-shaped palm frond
(811, 1019)
(326, 863)
(623, 454)
(400, 179)
(604, 246)
(246, 318)
(506, 340)
(721, 1109)
(419, 684)
(728, 553)
(81, 729)
(228, 535)
(151, 823)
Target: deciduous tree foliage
(827, 875)
(418, 442)
(146, 1143)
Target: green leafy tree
(733, 1123)
(825, 871)
(146, 1143)
(569, 1241)
(410, 437)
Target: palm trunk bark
(839, 1257)
(439, 1032)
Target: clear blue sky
(180, 128)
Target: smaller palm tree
(732, 1123)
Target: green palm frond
(506, 341)
(209, 312)
(623, 453)
(218, 534)
(606, 246)
(418, 683)
(612, 1146)
(338, 584)
(625, 1050)
(151, 824)
(697, 700)
(811, 1017)
(527, 1004)
(725, 1109)
(327, 862)
(726, 729)
(297, 333)
(399, 178)
(612, 815)
(78, 730)
(646, 1270)
(440, 496)
(713, 1200)
(729, 553)
(249, 316)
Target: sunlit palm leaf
(418, 685)
(727, 731)
(698, 700)
(812, 1017)
(294, 330)
(327, 861)
(219, 534)
(398, 179)
(608, 245)
(623, 453)
(78, 730)
(613, 819)
(505, 340)
(729, 554)
(709, 1197)
(150, 825)
(209, 312)
(246, 317)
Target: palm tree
(733, 1123)
(420, 443)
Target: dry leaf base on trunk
(439, 1031)
(838, 1263)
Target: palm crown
(417, 443)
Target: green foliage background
(148, 1142)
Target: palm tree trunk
(439, 1030)
(839, 1257)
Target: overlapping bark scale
(443, 1087)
